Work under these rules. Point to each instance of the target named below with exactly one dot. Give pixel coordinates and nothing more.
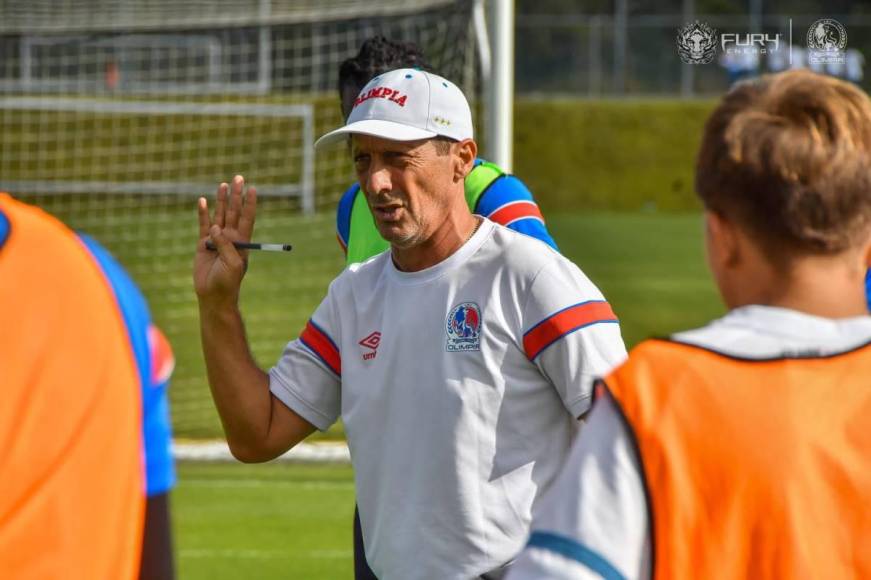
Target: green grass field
(268, 521)
(650, 266)
(293, 520)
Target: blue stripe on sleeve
(343, 213)
(327, 336)
(504, 190)
(157, 432)
(572, 550)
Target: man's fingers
(203, 215)
(221, 205)
(249, 210)
(224, 246)
(234, 205)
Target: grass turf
(266, 521)
(650, 266)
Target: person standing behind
(742, 449)
(73, 436)
(489, 190)
(458, 361)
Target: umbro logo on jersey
(372, 341)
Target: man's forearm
(239, 387)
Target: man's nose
(379, 181)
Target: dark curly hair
(377, 55)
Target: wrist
(224, 310)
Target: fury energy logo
(696, 43)
(463, 328)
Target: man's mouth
(390, 212)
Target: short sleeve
(308, 376)
(508, 202)
(570, 332)
(343, 216)
(157, 430)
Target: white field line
(263, 483)
(264, 554)
(304, 452)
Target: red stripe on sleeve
(322, 346)
(342, 243)
(162, 358)
(563, 322)
(516, 210)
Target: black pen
(254, 246)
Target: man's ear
(465, 153)
(866, 251)
(724, 249)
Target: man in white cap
(458, 360)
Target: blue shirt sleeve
(507, 191)
(343, 215)
(868, 287)
(157, 432)
(5, 228)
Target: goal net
(115, 115)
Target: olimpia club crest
(826, 41)
(826, 35)
(696, 43)
(463, 327)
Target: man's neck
(449, 237)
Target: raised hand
(218, 274)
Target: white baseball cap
(407, 105)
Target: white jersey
(459, 387)
(593, 522)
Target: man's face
(408, 185)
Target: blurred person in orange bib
(84, 425)
(742, 449)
